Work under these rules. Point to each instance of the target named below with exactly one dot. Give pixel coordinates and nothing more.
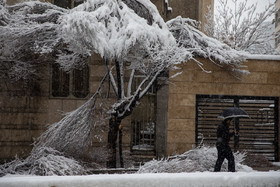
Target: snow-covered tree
(129, 35)
(242, 27)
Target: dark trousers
(224, 151)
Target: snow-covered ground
(197, 179)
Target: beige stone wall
(194, 9)
(263, 80)
(23, 116)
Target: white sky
(261, 4)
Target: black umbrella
(234, 112)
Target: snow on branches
(45, 162)
(27, 33)
(197, 159)
(33, 33)
(73, 134)
(112, 29)
(242, 27)
(187, 35)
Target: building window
(144, 123)
(78, 2)
(68, 4)
(257, 135)
(60, 82)
(69, 84)
(63, 3)
(81, 82)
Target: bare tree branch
(242, 28)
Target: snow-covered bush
(198, 159)
(46, 161)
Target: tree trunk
(120, 147)
(112, 141)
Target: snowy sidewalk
(196, 179)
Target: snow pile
(198, 159)
(198, 179)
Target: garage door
(257, 135)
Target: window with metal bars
(257, 135)
(143, 121)
(69, 84)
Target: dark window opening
(69, 84)
(81, 82)
(60, 82)
(63, 3)
(78, 2)
(257, 135)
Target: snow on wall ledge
(197, 179)
(263, 57)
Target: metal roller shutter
(257, 135)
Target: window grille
(257, 135)
(69, 84)
(60, 82)
(81, 82)
(144, 123)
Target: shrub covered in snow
(46, 161)
(198, 159)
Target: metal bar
(276, 118)
(196, 119)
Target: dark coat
(223, 134)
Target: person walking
(223, 148)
